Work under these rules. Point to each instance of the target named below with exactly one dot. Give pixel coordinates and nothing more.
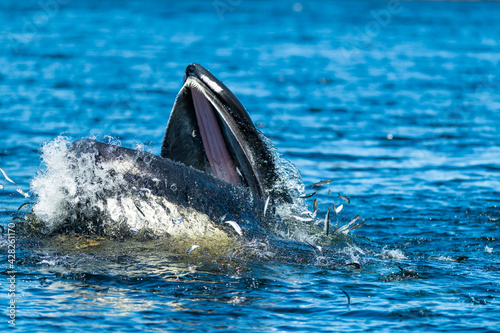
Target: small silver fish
(239, 172)
(322, 182)
(312, 246)
(315, 205)
(192, 248)
(329, 191)
(145, 190)
(348, 297)
(356, 248)
(266, 204)
(354, 227)
(236, 227)
(26, 204)
(302, 219)
(138, 208)
(354, 219)
(178, 221)
(338, 209)
(7, 177)
(346, 199)
(327, 221)
(309, 214)
(317, 249)
(24, 194)
(345, 227)
(307, 196)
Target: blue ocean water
(397, 102)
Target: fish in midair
(7, 177)
(354, 227)
(302, 219)
(26, 204)
(236, 227)
(266, 204)
(317, 249)
(307, 196)
(338, 209)
(322, 182)
(178, 221)
(327, 222)
(192, 248)
(346, 199)
(24, 194)
(345, 227)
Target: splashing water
(75, 188)
(54, 185)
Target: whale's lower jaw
(159, 216)
(114, 192)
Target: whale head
(210, 130)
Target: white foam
(289, 181)
(69, 181)
(392, 254)
(444, 258)
(55, 184)
(289, 177)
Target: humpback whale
(216, 173)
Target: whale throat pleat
(215, 147)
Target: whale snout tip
(191, 69)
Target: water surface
(398, 105)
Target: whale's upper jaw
(210, 130)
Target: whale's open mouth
(207, 108)
(211, 131)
